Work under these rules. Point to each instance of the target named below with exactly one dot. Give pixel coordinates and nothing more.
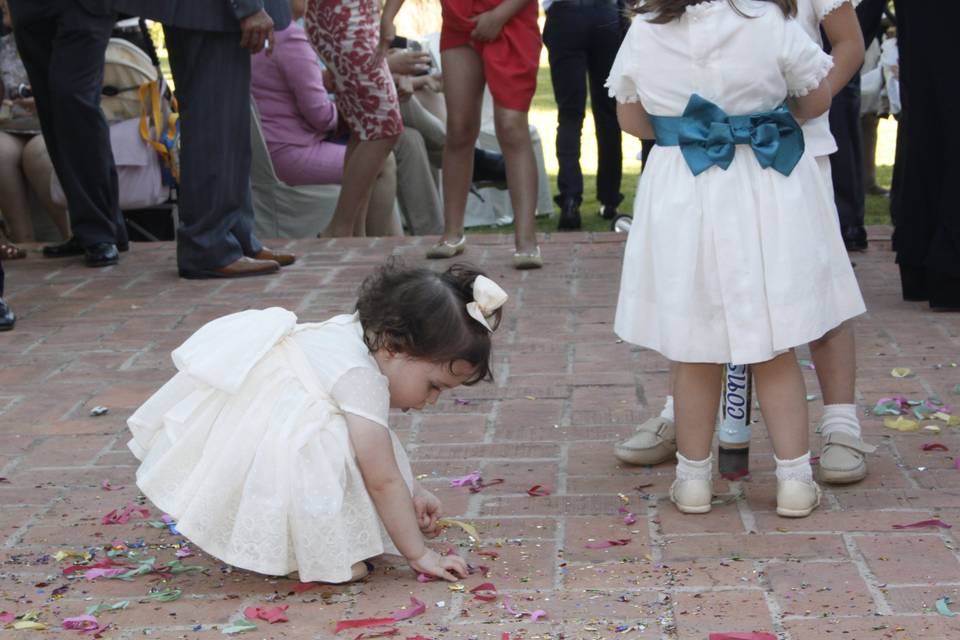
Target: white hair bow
(487, 298)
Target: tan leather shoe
(444, 249)
(654, 442)
(240, 268)
(797, 499)
(843, 458)
(692, 496)
(282, 259)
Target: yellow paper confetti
(932, 428)
(468, 528)
(459, 588)
(951, 421)
(901, 424)
(70, 553)
(29, 624)
(901, 372)
(530, 397)
(624, 499)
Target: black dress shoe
(71, 247)
(944, 291)
(569, 215)
(7, 317)
(855, 238)
(102, 254)
(608, 213)
(489, 169)
(913, 283)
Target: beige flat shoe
(444, 249)
(692, 496)
(527, 259)
(797, 499)
(843, 458)
(654, 442)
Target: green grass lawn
(543, 115)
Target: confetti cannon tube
(735, 426)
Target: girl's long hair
(663, 11)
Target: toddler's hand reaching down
(450, 567)
(427, 507)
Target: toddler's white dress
(247, 446)
(734, 265)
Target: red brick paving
(566, 390)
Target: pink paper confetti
(460, 402)
(933, 446)
(748, 635)
(471, 478)
(486, 592)
(534, 615)
(416, 608)
(271, 615)
(105, 485)
(628, 518)
(6, 616)
(123, 516)
(184, 552)
(300, 587)
(607, 543)
(93, 574)
(537, 491)
(100, 564)
(87, 625)
(423, 577)
(956, 463)
(923, 524)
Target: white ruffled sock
(796, 469)
(694, 469)
(840, 418)
(667, 412)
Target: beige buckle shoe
(692, 496)
(843, 458)
(444, 249)
(796, 498)
(654, 442)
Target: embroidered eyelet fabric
(247, 446)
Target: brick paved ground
(565, 392)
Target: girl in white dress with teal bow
(271, 447)
(734, 254)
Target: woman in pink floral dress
(346, 35)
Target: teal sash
(707, 136)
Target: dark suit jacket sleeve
(243, 8)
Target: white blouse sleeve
(363, 392)
(803, 63)
(825, 7)
(622, 83)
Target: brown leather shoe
(241, 268)
(283, 259)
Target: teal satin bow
(707, 136)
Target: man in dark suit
(582, 39)
(210, 43)
(62, 45)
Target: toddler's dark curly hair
(423, 314)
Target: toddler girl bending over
(271, 445)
